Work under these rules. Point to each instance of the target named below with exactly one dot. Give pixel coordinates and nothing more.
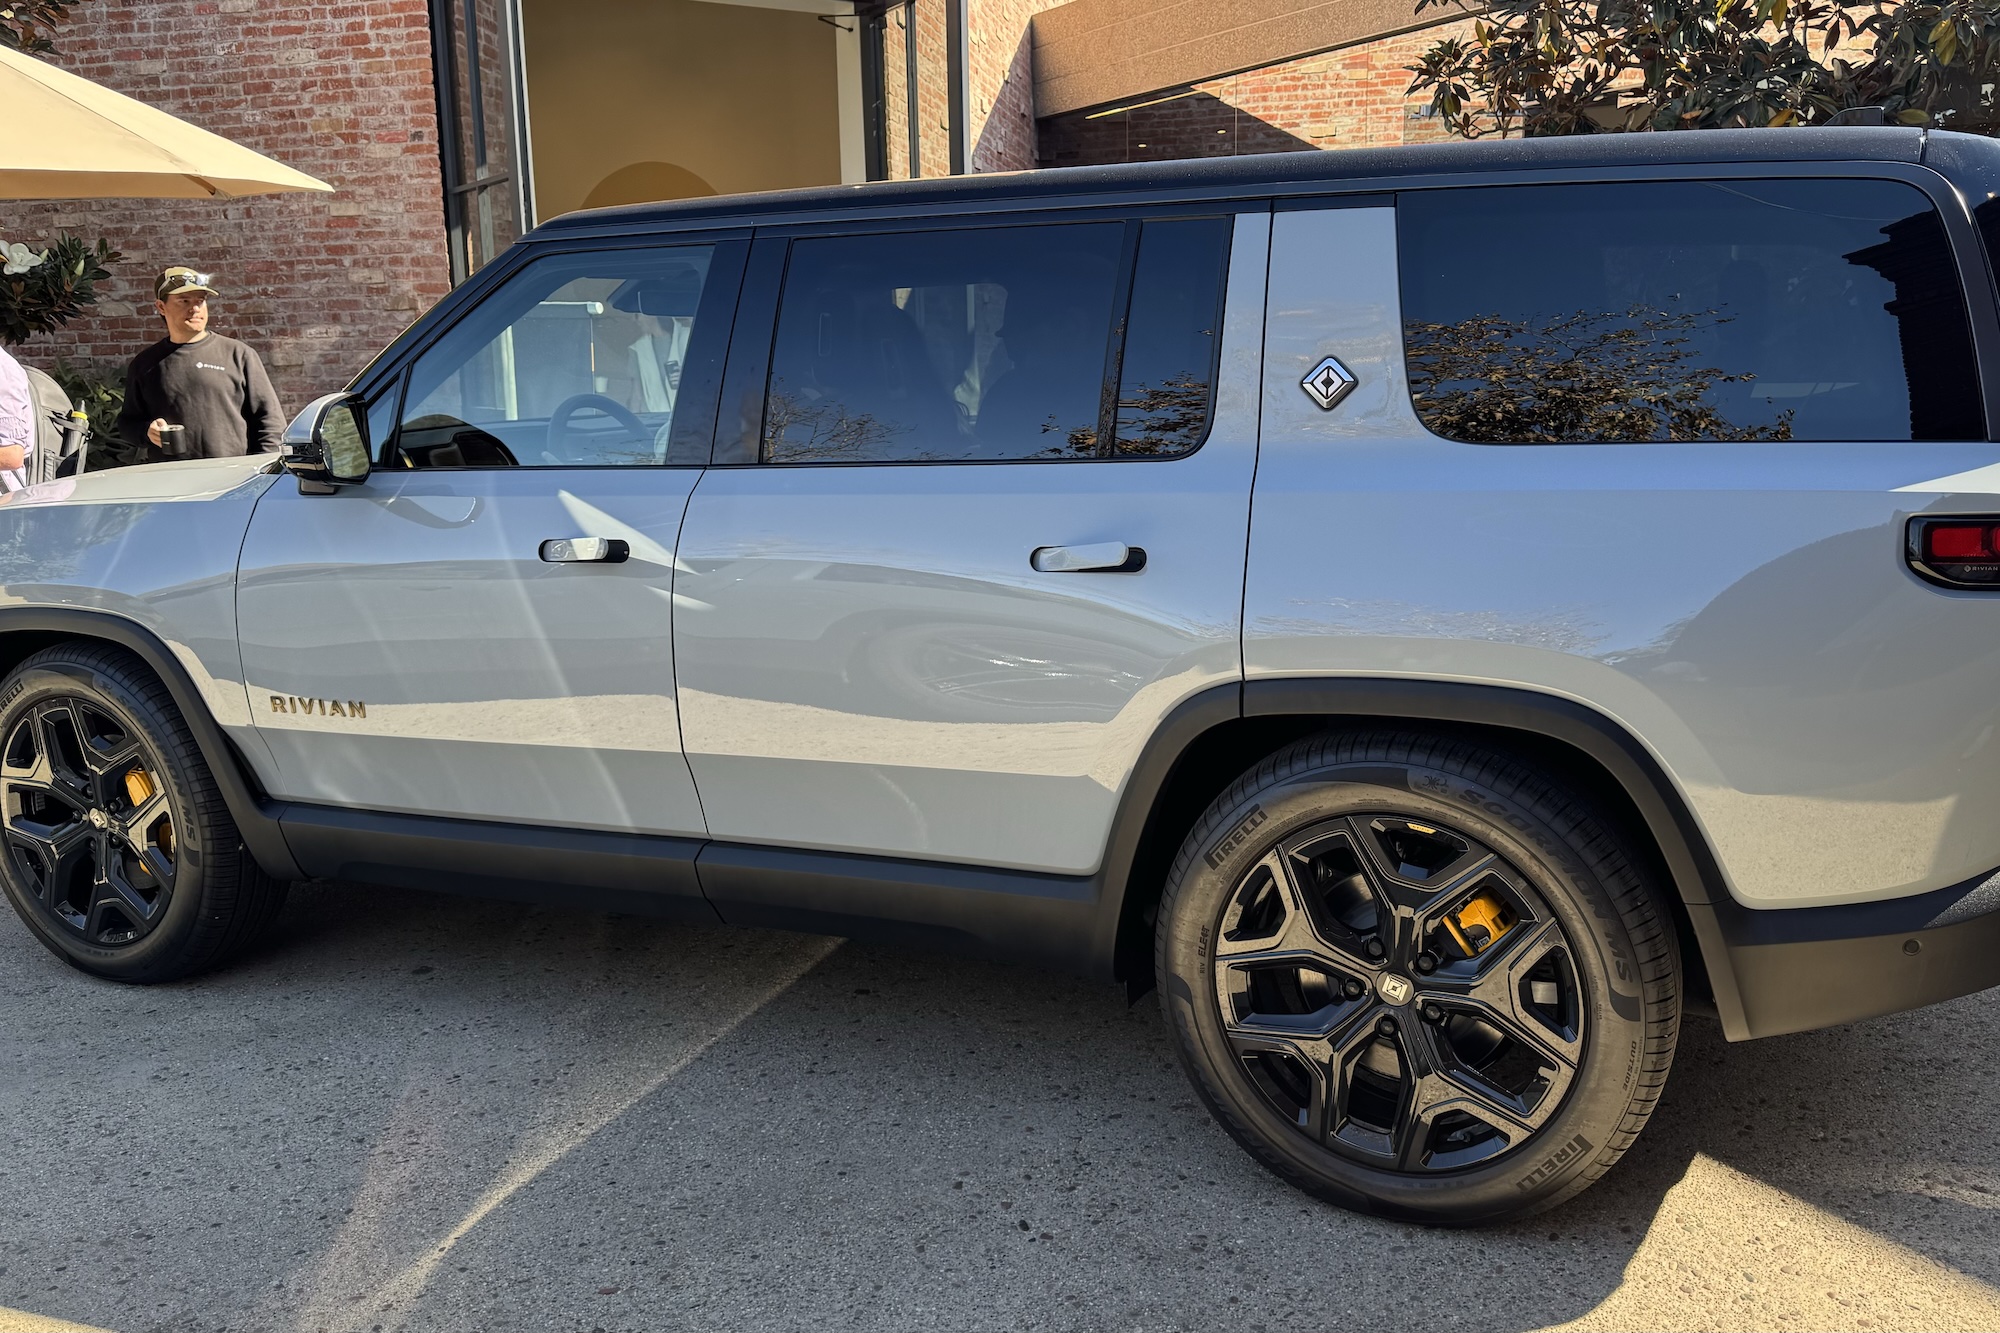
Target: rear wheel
(1418, 979)
(118, 850)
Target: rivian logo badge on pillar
(292, 703)
(1327, 383)
(1394, 989)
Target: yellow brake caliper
(139, 787)
(1479, 924)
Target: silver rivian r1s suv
(1438, 614)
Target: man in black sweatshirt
(213, 388)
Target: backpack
(52, 423)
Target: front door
(440, 641)
(990, 533)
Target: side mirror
(327, 444)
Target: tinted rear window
(1739, 310)
(984, 343)
(1059, 341)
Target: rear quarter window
(1696, 310)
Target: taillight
(1957, 552)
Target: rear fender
(1316, 703)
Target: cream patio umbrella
(64, 137)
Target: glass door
(482, 118)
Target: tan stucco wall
(1095, 52)
(743, 98)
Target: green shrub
(1546, 67)
(41, 294)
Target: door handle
(585, 550)
(1096, 558)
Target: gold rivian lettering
(355, 708)
(277, 703)
(334, 708)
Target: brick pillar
(1003, 84)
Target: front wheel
(119, 853)
(1418, 979)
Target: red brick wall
(340, 89)
(1002, 87)
(933, 100)
(932, 134)
(1351, 98)
(1003, 83)
(895, 96)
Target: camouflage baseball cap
(181, 278)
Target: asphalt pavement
(420, 1112)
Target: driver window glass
(576, 362)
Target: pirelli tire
(1418, 978)
(119, 853)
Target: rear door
(980, 528)
(429, 642)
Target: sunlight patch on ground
(1728, 1252)
(343, 1286)
(20, 1321)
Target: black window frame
(1977, 281)
(739, 436)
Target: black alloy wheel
(120, 854)
(1399, 992)
(1418, 978)
(90, 831)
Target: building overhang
(1098, 53)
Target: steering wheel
(556, 448)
